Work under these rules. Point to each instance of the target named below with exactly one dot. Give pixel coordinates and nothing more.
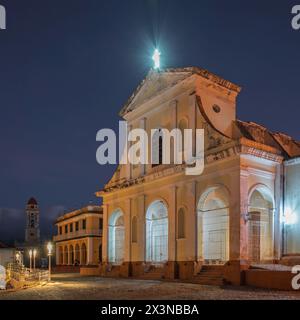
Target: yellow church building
(159, 222)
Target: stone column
(57, 254)
(244, 213)
(192, 237)
(105, 234)
(192, 120)
(90, 251)
(80, 254)
(172, 223)
(63, 258)
(278, 212)
(238, 243)
(127, 225)
(143, 124)
(141, 214)
(174, 124)
(128, 165)
(69, 256)
(237, 211)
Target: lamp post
(30, 259)
(34, 256)
(49, 247)
(18, 258)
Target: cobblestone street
(74, 287)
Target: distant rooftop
(4, 246)
(91, 209)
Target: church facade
(242, 210)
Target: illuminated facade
(160, 222)
(79, 237)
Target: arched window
(71, 250)
(77, 255)
(66, 256)
(61, 255)
(213, 225)
(116, 234)
(134, 230)
(181, 224)
(157, 232)
(260, 225)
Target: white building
(7, 254)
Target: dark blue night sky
(67, 67)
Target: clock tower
(32, 233)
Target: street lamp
(18, 258)
(49, 247)
(34, 256)
(30, 259)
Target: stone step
(155, 271)
(210, 275)
(152, 276)
(213, 273)
(212, 268)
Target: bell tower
(32, 233)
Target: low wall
(18, 276)
(281, 280)
(90, 271)
(66, 269)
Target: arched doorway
(61, 256)
(260, 224)
(213, 226)
(157, 232)
(83, 254)
(71, 251)
(116, 235)
(77, 255)
(66, 256)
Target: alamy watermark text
(2, 18)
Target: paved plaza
(74, 287)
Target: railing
(79, 233)
(21, 274)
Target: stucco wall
(292, 206)
(6, 256)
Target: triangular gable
(158, 81)
(151, 86)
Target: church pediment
(154, 84)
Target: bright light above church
(156, 59)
